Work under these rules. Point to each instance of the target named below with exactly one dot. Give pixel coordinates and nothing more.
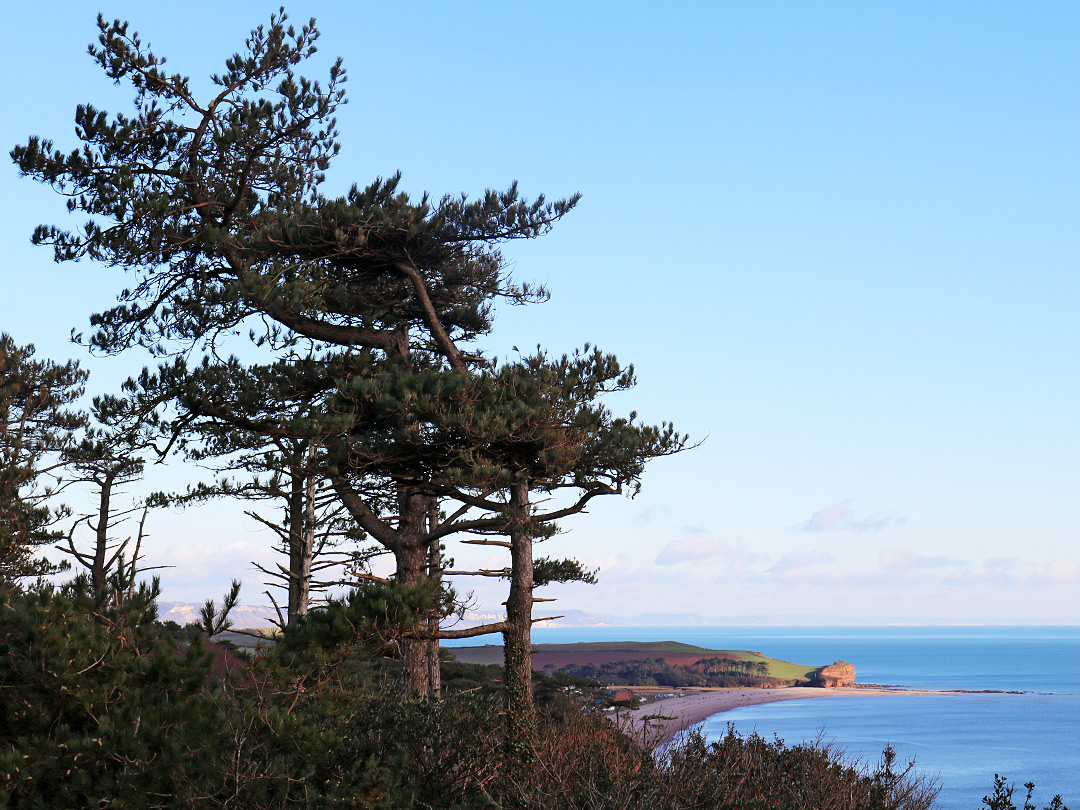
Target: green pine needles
(367, 399)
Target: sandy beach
(662, 719)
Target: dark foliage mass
(101, 706)
(36, 424)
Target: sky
(837, 241)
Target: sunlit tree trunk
(517, 638)
(412, 571)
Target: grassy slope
(492, 654)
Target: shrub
(1002, 798)
(101, 707)
(97, 708)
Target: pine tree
(490, 439)
(107, 461)
(368, 304)
(36, 426)
(217, 205)
(105, 712)
(252, 427)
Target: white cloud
(993, 571)
(693, 547)
(1056, 572)
(903, 578)
(817, 577)
(609, 563)
(656, 512)
(894, 559)
(840, 517)
(199, 571)
(794, 560)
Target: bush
(101, 707)
(587, 764)
(1002, 799)
(98, 708)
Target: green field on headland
(607, 653)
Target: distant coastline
(585, 619)
(254, 616)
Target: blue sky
(838, 242)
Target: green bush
(102, 707)
(1002, 798)
(97, 708)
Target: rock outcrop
(622, 697)
(839, 674)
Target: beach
(660, 720)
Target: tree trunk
(412, 571)
(434, 618)
(301, 534)
(297, 598)
(517, 638)
(408, 542)
(98, 574)
(307, 556)
(412, 561)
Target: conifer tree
(488, 441)
(36, 426)
(216, 204)
(107, 461)
(103, 711)
(270, 457)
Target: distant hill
(246, 616)
(579, 618)
(675, 653)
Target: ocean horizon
(1019, 717)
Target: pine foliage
(96, 707)
(37, 425)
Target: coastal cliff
(834, 675)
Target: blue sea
(964, 739)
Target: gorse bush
(589, 764)
(102, 707)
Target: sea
(1019, 715)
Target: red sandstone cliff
(839, 674)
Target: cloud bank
(796, 560)
(695, 547)
(894, 559)
(840, 517)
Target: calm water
(965, 738)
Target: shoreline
(660, 721)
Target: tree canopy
(37, 425)
(216, 205)
(364, 311)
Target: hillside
(675, 653)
